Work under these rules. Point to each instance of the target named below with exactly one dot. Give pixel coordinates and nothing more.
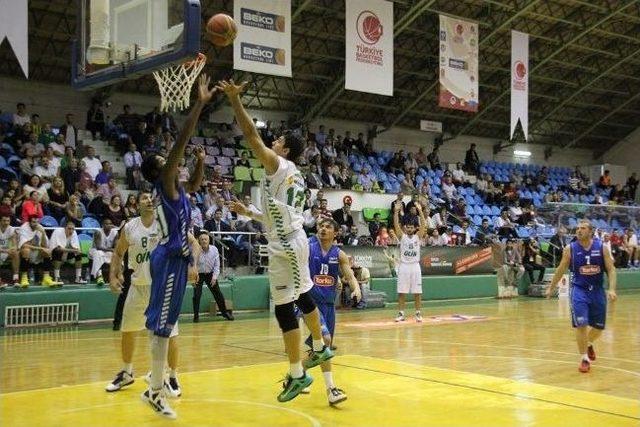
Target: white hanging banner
(519, 82)
(369, 46)
(14, 26)
(263, 43)
(458, 64)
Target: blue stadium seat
(495, 211)
(89, 222)
(49, 221)
(486, 210)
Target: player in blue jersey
(587, 259)
(326, 262)
(171, 260)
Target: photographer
(531, 254)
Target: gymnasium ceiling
(584, 66)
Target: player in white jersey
(9, 249)
(289, 279)
(137, 239)
(409, 274)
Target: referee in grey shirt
(208, 272)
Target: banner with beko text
(458, 64)
(519, 82)
(263, 43)
(434, 260)
(369, 46)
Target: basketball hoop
(175, 83)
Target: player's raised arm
(612, 276)
(267, 157)
(347, 272)
(560, 270)
(170, 169)
(396, 220)
(116, 278)
(241, 209)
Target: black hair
(295, 144)
(150, 168)
(20, 104)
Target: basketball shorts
(409, 278)
(168, 284)
(133, 318)
(289, 267)
(588, 306)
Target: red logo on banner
(520, 75)
(459, 29)
(369, 27)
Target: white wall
(625, 152)
(52, 102)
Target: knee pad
(286, 317)
(305, 303)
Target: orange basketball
(222, 29)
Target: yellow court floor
(472, 363)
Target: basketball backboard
(125, 39)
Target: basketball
(222, 29)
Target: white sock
(295, 370)
(56, 273)
(328, 379)
(585, 357)
(128, 367)
(401, 313)
(318, 345)
(159, 351)
(418, 312)
(16, 276)
(173, 373)
(79, 273)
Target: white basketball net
(175, 83)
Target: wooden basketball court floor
(471, 363)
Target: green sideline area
(252, 293)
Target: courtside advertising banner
(519, 82)
(369, 46)
(263, 43)
(458, 64)
(434, 260)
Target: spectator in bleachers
(108, 190)
(481, 185)
(504, 226)
(105, 174)
(96, 120)
(329, 177)
(349, 236)
(64, 244)
(515, 211)
(219, 203)
(36, 127)
(128, 121)
(248, 224)
(484, 233)
(343, 216)
(574, 183)
(345, 177)
(209, 198)
(71, 175)
(313, 179)
(383, 238)
(34, 251)
(28, 164)
(319, 196)
(365, 181)
(37, 185)
(138, 135)
(153, 118)
(310, 153)
(20, 117)
(9, 248)
(512, 264)
(311, 217)
(348, 142)
(530, 260)
(408, 183)
(32, 207)
(65, 160)
(459, 211)
(434, 159)
(449, 192)
(47, 137)
(396, 164)
(457, 175)
(131, 207)
(70, 132)
(410, 163)
(324, 209)
(437, 239)
(543, 176)
(411, 216)
(227, 192)
(244, 160)
(197, 221)
(321, 137)
(617, 194)
(57, 199)
(375, 225)
(183, 171)
(132, 163)
(74, 211)
(54, 159)
(415, 199)
(329, 151)
(605, 180)
(7, 208)
(216, 177)
(114, 211)
(32, 142)
(92, 164)
(46, 170)
(630, 245)
(471, 160)
(441, 218)
(557, 245)
(632, 185)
